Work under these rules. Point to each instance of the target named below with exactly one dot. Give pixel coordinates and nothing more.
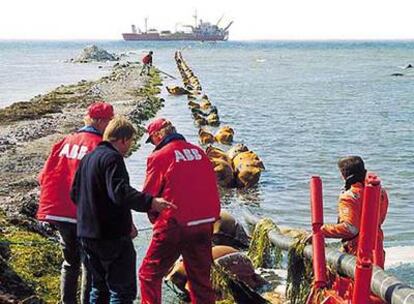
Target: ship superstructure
(200, 31)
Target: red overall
(55, 203)
(182, 174)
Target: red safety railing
(367, 240)
(318, 239)
(345, 289)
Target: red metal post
(318, 239)
(367, 240)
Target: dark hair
(352, 169)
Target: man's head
(150, 52)
(158, 129)
(99, 114)
(352, 166)
(120, 133)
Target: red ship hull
(172, 37)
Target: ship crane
(146, 24)
(221, 18)
(195, 18)
(228, 26)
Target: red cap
(100, 110)
(155, 126)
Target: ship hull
(182, 37)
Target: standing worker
(104, 199)
(55, 205)
(181, 173)
(147, 64)
(350, 209)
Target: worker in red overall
(181, 173)
(350, 209)
(55, 204)
(146, 64)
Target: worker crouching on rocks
(350, 209)
(104, 200)
(146, 64)
(181, 173)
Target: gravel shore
(27, 132)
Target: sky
(253, 20)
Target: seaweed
(147, 108)
(220, 282)
(30, 263)
(261, 251)
(37, 263)
(300, 273)
(52, 102)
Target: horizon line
(230, 40)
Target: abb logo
(74, 152)
(187, 155)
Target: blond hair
(119, 128)
(167, 130)
(89, 121)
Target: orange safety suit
(349, 221)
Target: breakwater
(30, 257)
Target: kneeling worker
(181, 173)
(104, 200)
(350, 209)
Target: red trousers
(167, 244)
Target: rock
(93, 53)
(24, 145)
(29, 203)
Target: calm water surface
(299, 105)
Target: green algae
(37, 262)
(220, 281)
(261, 251)
(146, 109)
(300, 273)
(151, 87)
(31, 257)
(52, 102)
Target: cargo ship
(200, 31)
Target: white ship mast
(195, 18)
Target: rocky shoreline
(29, 253)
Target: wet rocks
(27, 132)
(50, 103)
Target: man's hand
(134, 231)
(158, 204)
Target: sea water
(299, 105)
